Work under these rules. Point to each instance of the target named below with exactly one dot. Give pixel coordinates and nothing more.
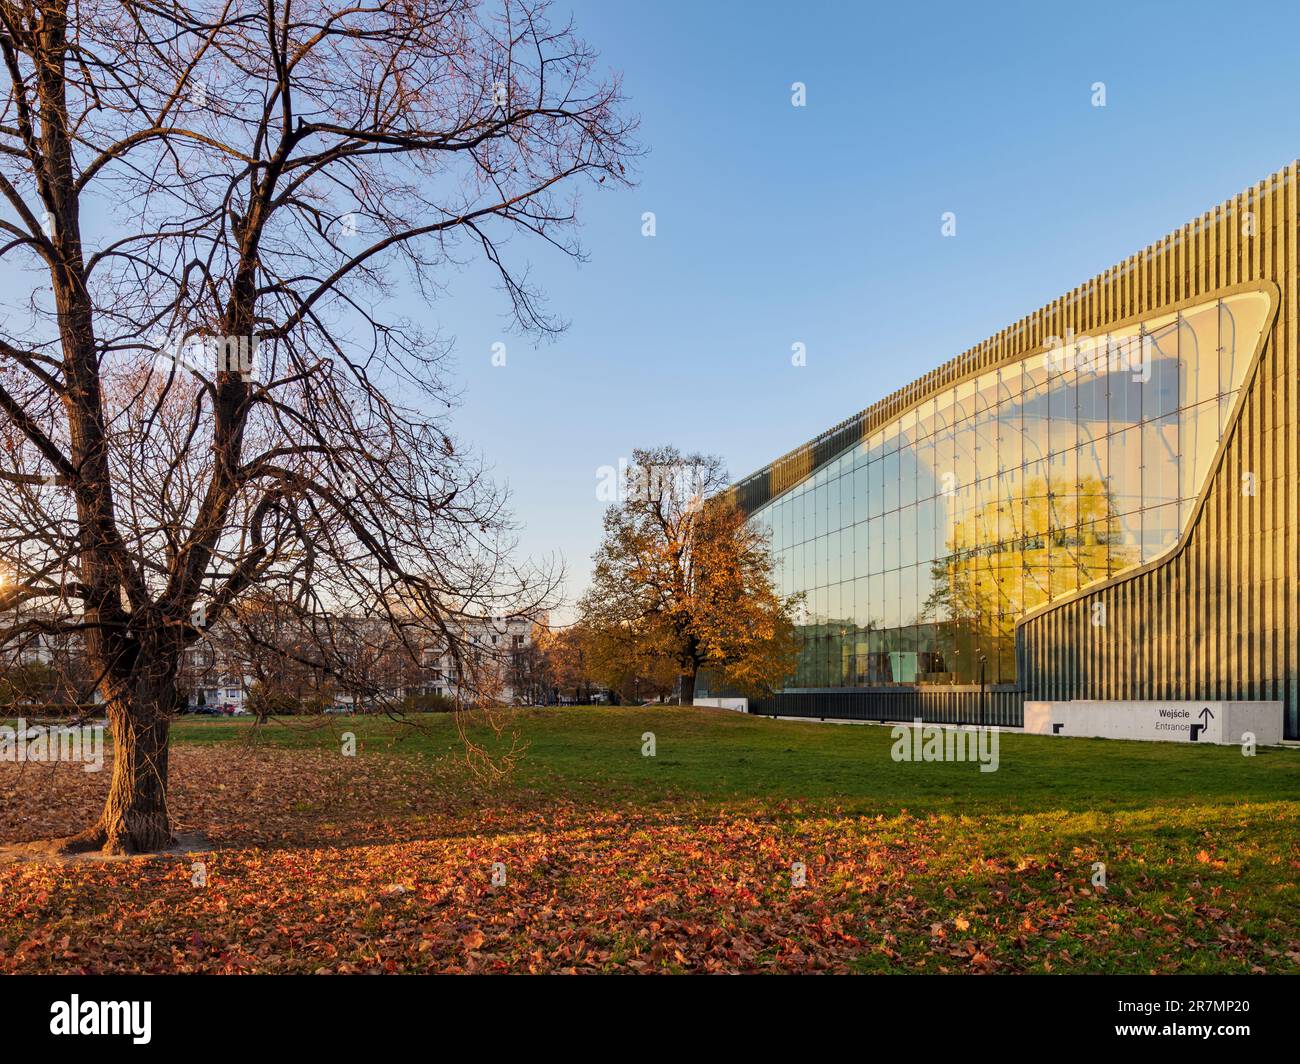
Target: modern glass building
(1098, 502)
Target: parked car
(339, 710)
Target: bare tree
(265, 642)
(207, 208)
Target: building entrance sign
(1223, 723)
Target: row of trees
(205, 209)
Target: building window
(919, 547)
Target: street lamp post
(983, 693)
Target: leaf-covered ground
(386, 863)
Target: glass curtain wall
(918, 549)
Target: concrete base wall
(1224, 723)
(740, 705)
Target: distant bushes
(428, 703)
(266, 703)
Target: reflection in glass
(920, 547)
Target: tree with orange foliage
(684, 580)
(564, 654)
(622, 657)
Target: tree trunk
(687, 695)
(135, 817)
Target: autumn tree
(683, 578)
(564, 655)
(626, 655)
(205, 385)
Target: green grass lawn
(950, 868)
(685, 861)
(595, 752)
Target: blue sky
(821, 224)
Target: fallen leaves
(332, 865)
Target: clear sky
(822, 224)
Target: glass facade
(919, 548)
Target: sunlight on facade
(919, 548)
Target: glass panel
(964, 467)
(907, 476)
(1034, 415)
(1094, 467)
(1125, 481)
(907, 536)
(1123, 381)
(890, 610)
(1063, 431)
(876, 544)
(926, 513)
(1198, 356)
(1199, 439)
(1159, 531)
(1094, 551)
(920, 547)
(891, 538)
(1239, 330)
(1160, 461)
(1010, 432)
(1159, 373)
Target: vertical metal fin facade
(1221, 618)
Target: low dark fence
(51, 711)
(933, 705)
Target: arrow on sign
(1196, 729)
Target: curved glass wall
(918, 549)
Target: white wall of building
(1223, 723)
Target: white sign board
(1224, 723)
